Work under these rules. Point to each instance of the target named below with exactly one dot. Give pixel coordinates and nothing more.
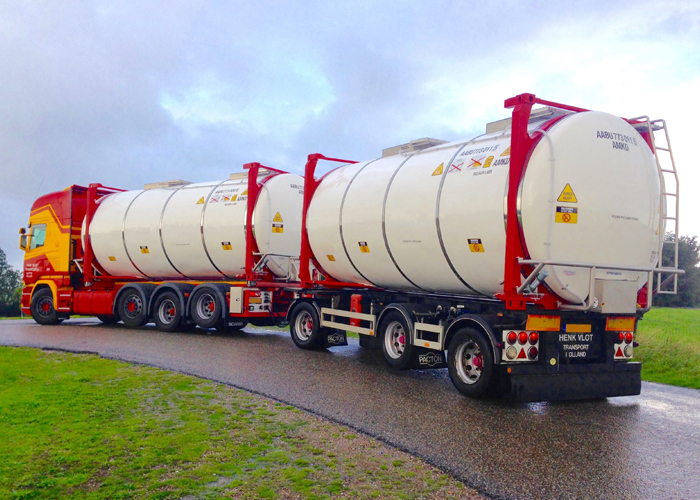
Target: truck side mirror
(23, 242)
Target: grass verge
(669, 346)
(80, 426)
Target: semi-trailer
(522, 260)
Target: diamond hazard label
(475, 245)
(278, 218)
(567, 195)
(330, 257)
(488, 161)
(438, 171)
(474, 163)
(455, 167)
(566, 215)
(506, 152)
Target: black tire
(167, 312)
(42, 308)
(396, 342)
(205, 308)
(470, 363)
(305, 327)
(132, 309)
(108, 319)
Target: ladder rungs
(668, 171)
(662, 149)
(670, 194)
(670, 218)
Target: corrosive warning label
(277, 228)
(438, 170)
(363, 246)
(144, 249)
(475, 245)
(567, 215)
(278, 218)
(567, 195)
(226, 245)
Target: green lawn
(80, 426)
(669, 346)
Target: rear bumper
(622, 379)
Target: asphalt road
(644, 446)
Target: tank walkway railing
(591, 302)
(668, 198)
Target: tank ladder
(668, 177)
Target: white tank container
(197, 231)
(435, 220)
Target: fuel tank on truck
(434, 220)
(197, 231)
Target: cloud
(125, 93)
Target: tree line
(688, 284)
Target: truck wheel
(131, 308)
(305, 327)
(396, 341)
(168, 312)
(42, 308)
(205, 308)
(470, 363)
(108, 319)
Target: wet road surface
(644, 446)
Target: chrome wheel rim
(167, 311)
(469, 361)
(395, 340)
(133, 306)
(304, 326)
(206, 306)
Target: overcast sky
(125, 93)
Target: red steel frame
(307, 257)
(251, 247)
(94, 192)
(521, 146)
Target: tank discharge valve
(532, 287)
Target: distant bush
(10, 288)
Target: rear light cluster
(520, 345)
(624, 347)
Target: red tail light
(534, 337)
(622, 337)
(628, 337)
(523, 338)
(532, 352)
(512, 337)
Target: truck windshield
(38, 236)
